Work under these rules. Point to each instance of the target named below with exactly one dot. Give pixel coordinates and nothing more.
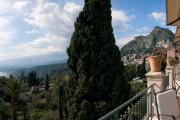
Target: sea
(3, 74)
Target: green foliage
(137, 87)
(47, 82)
(97, 84)
(131, 71)
(12, 89)
(36, 115)
(172, 61)
(32, 79)
(28, 105)
(163, 64)
(141, 69)
(24, 109)
(49, 115)
(4, 110)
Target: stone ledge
(155, 75)
(169, 67)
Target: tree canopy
(32, 79)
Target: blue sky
(36, 30)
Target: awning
(177, 36)
(173, 12)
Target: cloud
(53, 18)
(120, 21)
(51, 23)
(143, 29)
(124, 40)
(5, 7)
(32, 32)
(158, 16)
(22, 6)
(56, 20)
(44, 45)
(6, 37)
(7, 31)
(71, 7)
(120, 16)
(4, 22)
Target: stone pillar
(157, 79)
(170, 72)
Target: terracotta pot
(155, 63)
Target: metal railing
(166, 82)
(176, 81)
(137, 108)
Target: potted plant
(155, 60)
(172, 61)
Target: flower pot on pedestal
(155, 63)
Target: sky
(37, 31)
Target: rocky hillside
(142, 45)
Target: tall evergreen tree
(47, 82)
(144, 67)
(22, 77)
(32, 79)
(141, 69)
(97, 84)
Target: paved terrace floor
(178, 100)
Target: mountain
(42, 70)
(142, 45)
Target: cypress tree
(141, 69)
(144, 67)
(32, 79)
(97, 84)
(47, 82)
